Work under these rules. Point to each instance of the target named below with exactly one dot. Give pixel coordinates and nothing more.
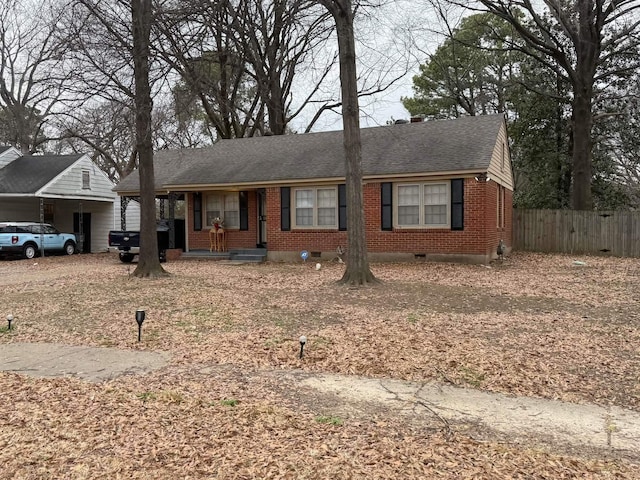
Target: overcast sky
(390, 40)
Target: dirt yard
(535, 325)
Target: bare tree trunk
(148, 263)
(582, 157)
(357, 266)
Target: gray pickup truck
(128, 243)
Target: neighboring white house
(68, 191)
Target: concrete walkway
(88, 363)
(557, 422)
(553, 422)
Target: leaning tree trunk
(148, 261)
(357, 266)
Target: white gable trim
(500, 168)
(8, 156)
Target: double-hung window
(423, 205)
(225, 206)
(316, 207)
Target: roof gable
(461, 145)
(500, 166)
(28, 174)
(69, 183)
(7, 155)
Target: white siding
(69, 183)
(101, 223)
(500, 165)
(132, 216)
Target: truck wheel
(29, 251)
(126, 257)
(69, 248)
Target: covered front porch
(213, 224)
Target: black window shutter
(244, 210)
(457, 204)
(386, 196)
(197, 211)
(342, 207)
(285, 209)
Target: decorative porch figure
(217, 236)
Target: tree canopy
(492, 63)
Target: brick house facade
(439, 190)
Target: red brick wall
(235, 238)
(496, 233)
(479, 237)
(297, 240)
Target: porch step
(255, 255)
(206, 254)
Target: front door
(262, 218)
(83, 235)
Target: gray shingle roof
(30, 173)
(462, 144)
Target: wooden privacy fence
(570, 231)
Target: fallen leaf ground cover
(535, 325)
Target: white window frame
(227, 200)
(314, 225)
(421, 206)
(86, 180)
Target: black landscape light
(140, 314)
(9, 320)
(303, 340)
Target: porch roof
(461, 145)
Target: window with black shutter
(386, 197)
(342, 207)
(197, 211)
(457, 204)
(244, 210)
(285, 209)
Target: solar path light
(9, 320)
(303, 340)
(140, 315)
